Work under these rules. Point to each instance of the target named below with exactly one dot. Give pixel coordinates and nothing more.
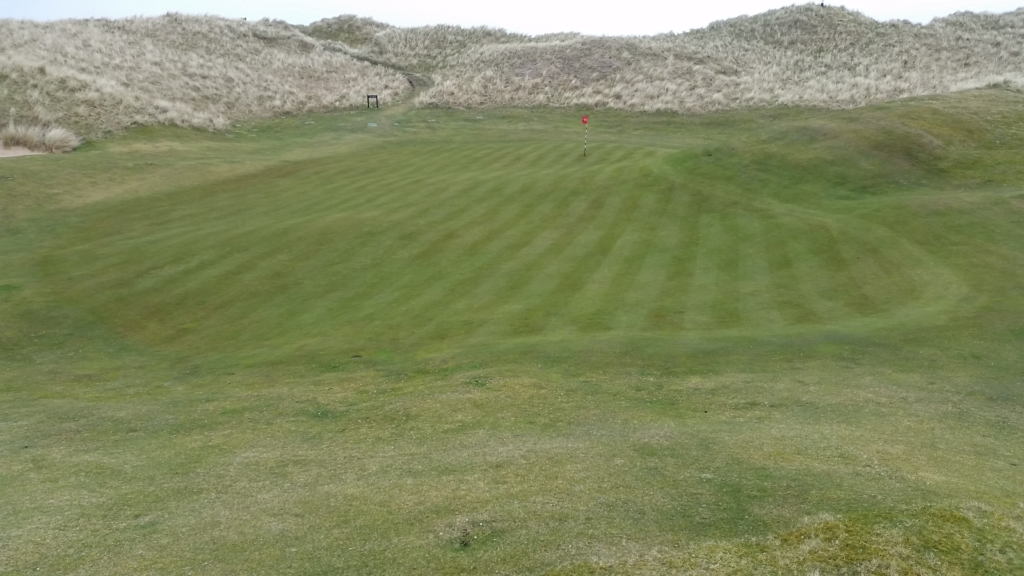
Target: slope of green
(760, 342)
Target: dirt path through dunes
(16, 151)
(418, 84)
(386, 117)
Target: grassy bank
(756, 342)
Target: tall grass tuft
(16, 135)
(60, 140)
(52, 139)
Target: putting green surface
(759, 342)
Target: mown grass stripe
(879, 268)
(844, 284)
(786, 289)
(195, 239)
(439, 258)
(813, 273)
(422, 252)
(481, 249)
(408, 195)
(669, 310)
(393, 178)
(578, 268)
(259, 271)
(293, 198)
(726, 303)
(704, 283)
(756, 304)
(661, 234)
(557, 202)
(600, 303)
(501, 255)
(518, 156)
(504, 302)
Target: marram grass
(101, 76)
(39, 138)
(761, 342)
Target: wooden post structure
(375, 100)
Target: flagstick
(586, 131)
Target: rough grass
(776, 342)
(804, 55)
(348, 29)
(101, 75)
(94, 76)
(52, 139)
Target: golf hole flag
(586, 129)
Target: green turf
(779, 341)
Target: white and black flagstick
(586, 132)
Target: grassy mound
(773, 342)
(351, 30)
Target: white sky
(527, 16)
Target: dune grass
(769, 342)
(806, 55)
(101, 76)
(52, 139)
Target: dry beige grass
(53, 139)
(101, 75)
(805, 55)
(348, 29)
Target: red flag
(585, 119)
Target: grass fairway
(771, 342)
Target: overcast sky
(527, 16)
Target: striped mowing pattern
(432, 245)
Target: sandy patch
(16, 151)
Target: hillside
(101, 75)
(807, 55)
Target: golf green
(773, 341)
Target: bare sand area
(16, 151)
